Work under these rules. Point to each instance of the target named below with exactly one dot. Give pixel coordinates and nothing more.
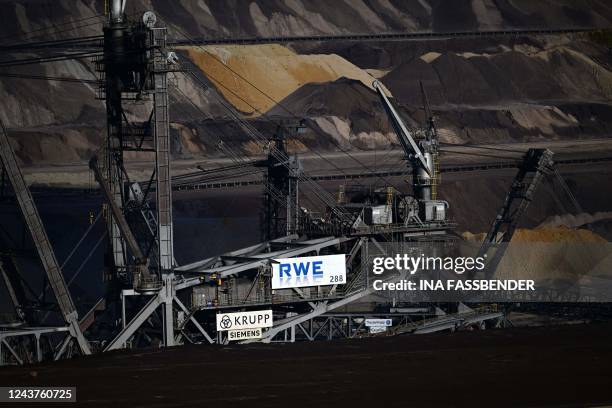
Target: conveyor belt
(384, 174)
(404, 36)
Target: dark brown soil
(547, 366)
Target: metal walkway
(465, 317)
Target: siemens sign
(309, 271)
(244, 334)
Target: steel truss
(134, 70)
(224, 266)
(330, 326)
(31, 344)
(43, 247)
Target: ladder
(436, 178)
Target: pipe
(117, 8)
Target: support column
(112, 160)
(168, 298)
(292, 328)
(162, 152)
(38, 350)
(164, 185)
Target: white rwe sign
(309, 271)
(244, 320)
(378, 322)
(244, 334)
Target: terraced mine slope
(489, 89)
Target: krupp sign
(309, 271)
(244, 320)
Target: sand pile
(558, 234)
(355, 117)
(578, 220)
(504, 75)
(274, 69)
(564, 262)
